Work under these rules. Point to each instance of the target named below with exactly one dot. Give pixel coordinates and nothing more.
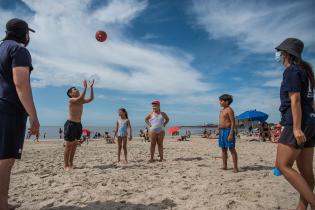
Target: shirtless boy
(73, 126)
(226, 131)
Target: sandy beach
(190, 178)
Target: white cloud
(257, 26)
(237, 78)
(120, 11)
(111, 98)
(149, 36)
(273, 83)
(65, 51)
(274, 78)
(269, 73)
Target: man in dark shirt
(16, 100)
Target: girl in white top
(121, 131)
(156, 121)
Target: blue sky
(184, 53)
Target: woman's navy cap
(292, 46)
(18, 26)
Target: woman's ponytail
(307, 67)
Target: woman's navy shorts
(287, 137)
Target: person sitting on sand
(143, 135)
(265, 131)
(226, 131)
(73, 126)
(156, 121)
(205, 134)
(109, 139)
(147, 138)
(183, 138)
(276, 133)
(216, 132)
(121, 131)
(188, 133)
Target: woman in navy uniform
(297, 140)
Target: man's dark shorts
(73, 130)
(12, 135)
(287, 137)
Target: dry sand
(190, 178)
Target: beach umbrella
(86, 131)
(173, 130)
(253, 115)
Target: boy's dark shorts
(73, 131)
(287, 137)
(12, 135)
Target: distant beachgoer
(36, 139)
(276, 133)
(156, 121)
(265, 131)
(109, 139)
(188, 133)
(44, 136)
(250, 129)
(297, 141)
(227, 131)
(146, 139)
(142, 135)
(16, 101)
(73, 126)
(216, 132)
(60, 133)
(205, 134)
(121, 131)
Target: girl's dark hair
(306, 66)
(226, 97)
(124, 111)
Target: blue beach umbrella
(253, 115)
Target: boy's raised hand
(84, 84)
(91, 83)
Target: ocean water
(52, 132)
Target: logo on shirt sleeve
(310, 93)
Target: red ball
(101, 36)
